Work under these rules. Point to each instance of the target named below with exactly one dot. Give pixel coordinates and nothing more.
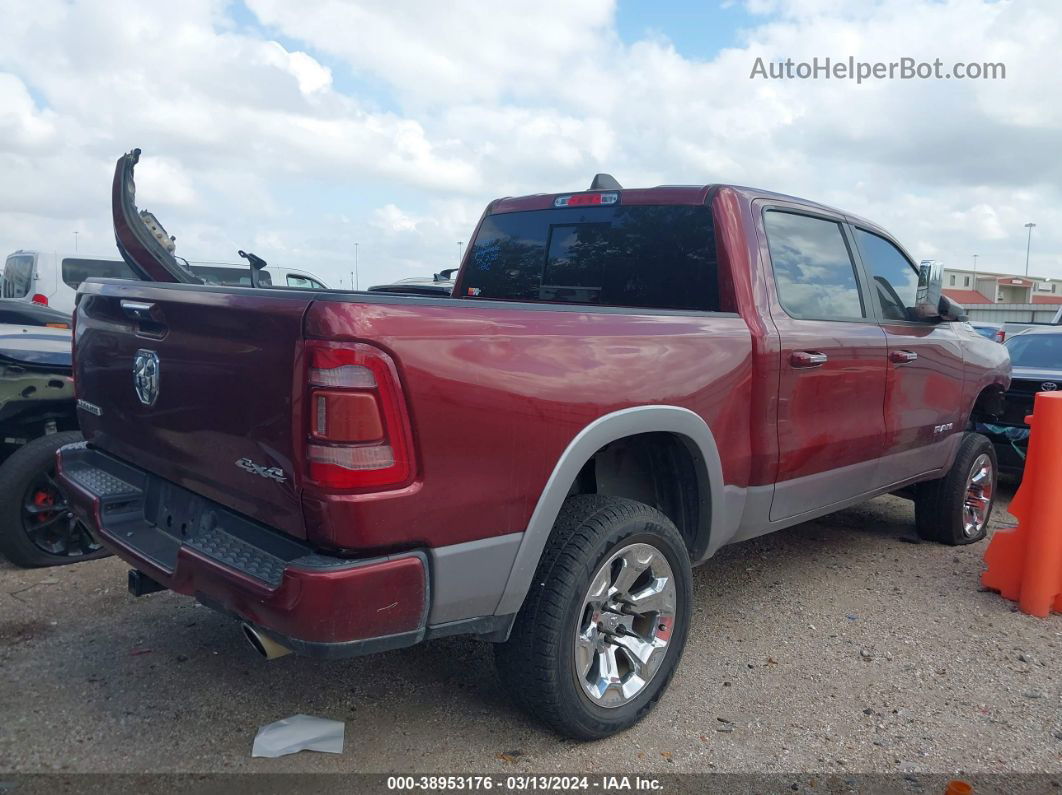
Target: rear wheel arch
(669, 430)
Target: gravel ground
(838, 646)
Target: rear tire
(955, 509)
(604, 624)
(36, 528)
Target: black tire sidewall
(940, 504)
(20, 469)
(602, 721)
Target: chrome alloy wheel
(978, 500)
(625, 625)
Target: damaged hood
(35, 347)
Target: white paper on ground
(299, 733)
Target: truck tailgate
(218, 419)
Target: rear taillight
(39, 298)
(1001, 335)
(358, 432)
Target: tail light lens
(39, 298)
(1001, 335)
(359, 434)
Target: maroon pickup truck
(623, 382)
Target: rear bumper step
(318, 604)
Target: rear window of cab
(640, 256)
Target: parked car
(52, 279)
(1012, 327)
(990, 331)
(1036, 355)
(23, 313)
(37, 417)
(441, 283)
(624, 382)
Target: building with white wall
(971, 288)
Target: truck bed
(495, 390)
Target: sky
(306, 131)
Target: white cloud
(310, 75)
(23, 126)
(391, 219)
(393, 124)
(452, 52)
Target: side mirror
(930, 280)
(951, 311)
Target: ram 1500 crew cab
(623, 382)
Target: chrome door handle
(137, 310)
(803, 359)
(902, 357)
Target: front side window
(813, 268)
(77, 270)
(894, 278)
(640, 256)
(18, 276)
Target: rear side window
(18, 276)
(895, 278)
(76, 270)
(648, 256)
(813, 268)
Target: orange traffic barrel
(1025, 564)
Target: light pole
(357, 279)
(75, 242)
(459, 244)
(975, 270)
(1028, 245)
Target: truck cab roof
(673, 194)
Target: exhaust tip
(263, 644)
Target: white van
(52, 279)
(234, 275)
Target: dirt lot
(837, 646)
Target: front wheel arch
(988, 406)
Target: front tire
(956, 509)
(604, 625)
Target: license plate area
(155, 518)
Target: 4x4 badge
(273, 473)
